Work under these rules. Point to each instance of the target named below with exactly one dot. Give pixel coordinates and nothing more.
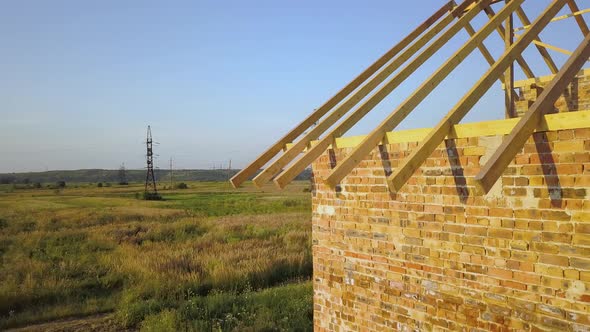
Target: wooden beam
(509, 73)
(546, 56)
(502, 32)
(510, 146)
(551, 47)
(549, 122)
(350, 102)
(437, 135)
(579, 18)
(559, 18)
(488, 56)
(266, 156)
(297, 167)
(371, 141)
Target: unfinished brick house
(473, 227)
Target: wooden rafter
(579, 18)
(531, 120)
(293, 170)
(520, 60)
(546, 56)
(373, 139)
(437, 135)
(352, 100)
(266, 156)
(509, 99)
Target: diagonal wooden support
(520, 60)
(579, 18)
(559, 18)
(546, 56)
(551, 47)
(494, 168)
(266, 156)
(293, 170)
(377, 135)
(437, 135)
(341, 110)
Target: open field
(206, 258)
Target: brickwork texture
(438, 256)
(576, 97)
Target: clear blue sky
(81, 80)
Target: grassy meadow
(206, 258)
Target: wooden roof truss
(341, 112)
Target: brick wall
(437, 256)
(575, 97)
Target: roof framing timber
(559, 18)
(396, 117)
(463, 23)
(510, 146)
(401, 175)
(269, 154)
(303, 144)
(373, 100)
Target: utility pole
(151, 191)
(171, 178)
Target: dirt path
(95, 323)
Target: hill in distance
(107, 175)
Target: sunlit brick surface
(440, 256)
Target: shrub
(99, 185)
(152, 197)
(164, 321)
(182, 185)
(60, 184)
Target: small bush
(60, 184)
(182, 185)
(290, 203)
(164, 321)
(99, 185)
(152, 197)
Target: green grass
(208, 257)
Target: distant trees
(7, 179)
(60, 184)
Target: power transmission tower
(151, 191)
(171, 179)
(123, 175)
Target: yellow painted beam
(525, 127)
(409, 165)
(266, 156)
(549, 122)
(345, 166)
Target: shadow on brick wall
(457, 169)
(549, 168)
